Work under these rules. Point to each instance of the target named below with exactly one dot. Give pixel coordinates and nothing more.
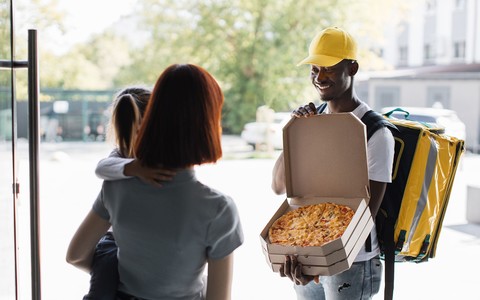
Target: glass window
(460, 4)
(7, 228)
(430, 5)
(386, 96)
(403, 55)
(438, 95)
(459, 49)
(428, 52)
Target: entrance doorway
(19, 240)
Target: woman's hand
(293, 270)
(154, 176)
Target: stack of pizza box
(325, 161)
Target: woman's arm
(220, 274)
(82, 246)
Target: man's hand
(305, 111)
(154, 176)
(293, 270)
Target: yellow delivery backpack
(410, 218)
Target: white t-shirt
(380, 152)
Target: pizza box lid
(326, 155)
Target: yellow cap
(329, 47)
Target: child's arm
(153, 176)
(116, 167)
(112, 167)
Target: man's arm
(381, 148)
(377, 191)
(278, 176)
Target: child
(127, 111)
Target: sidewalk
(69, 187)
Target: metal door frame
(33, 145)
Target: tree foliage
(250, 46)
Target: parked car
(258, 134)
(446, 118)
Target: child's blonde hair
(128, 108)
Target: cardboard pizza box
(328, 254)
(325, 161)
(337, 267)
(345, 241)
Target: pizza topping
(311, 225)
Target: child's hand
(154, 176)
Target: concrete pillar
(473, 204)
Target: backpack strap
(389, 258)
(372, 119)
(321, 108)
(373, 122)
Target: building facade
(435, 55)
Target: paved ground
(69, 186)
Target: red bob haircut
(182, 123)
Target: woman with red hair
(167, 236)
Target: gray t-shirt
(165, 235)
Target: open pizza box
(325, 161)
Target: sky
(91, 16)
(87, 17)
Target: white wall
(464, 99)
(442, 36)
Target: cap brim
(320, 60)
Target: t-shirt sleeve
(112, 167)
(99, 207)
(225, 232)
(381, 149)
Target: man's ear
(353, 68)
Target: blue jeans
(360, 282)
(104, 274)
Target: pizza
(311, 225)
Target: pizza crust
(311, 225)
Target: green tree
(48, 20)
(88, 66)
(250, 46)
